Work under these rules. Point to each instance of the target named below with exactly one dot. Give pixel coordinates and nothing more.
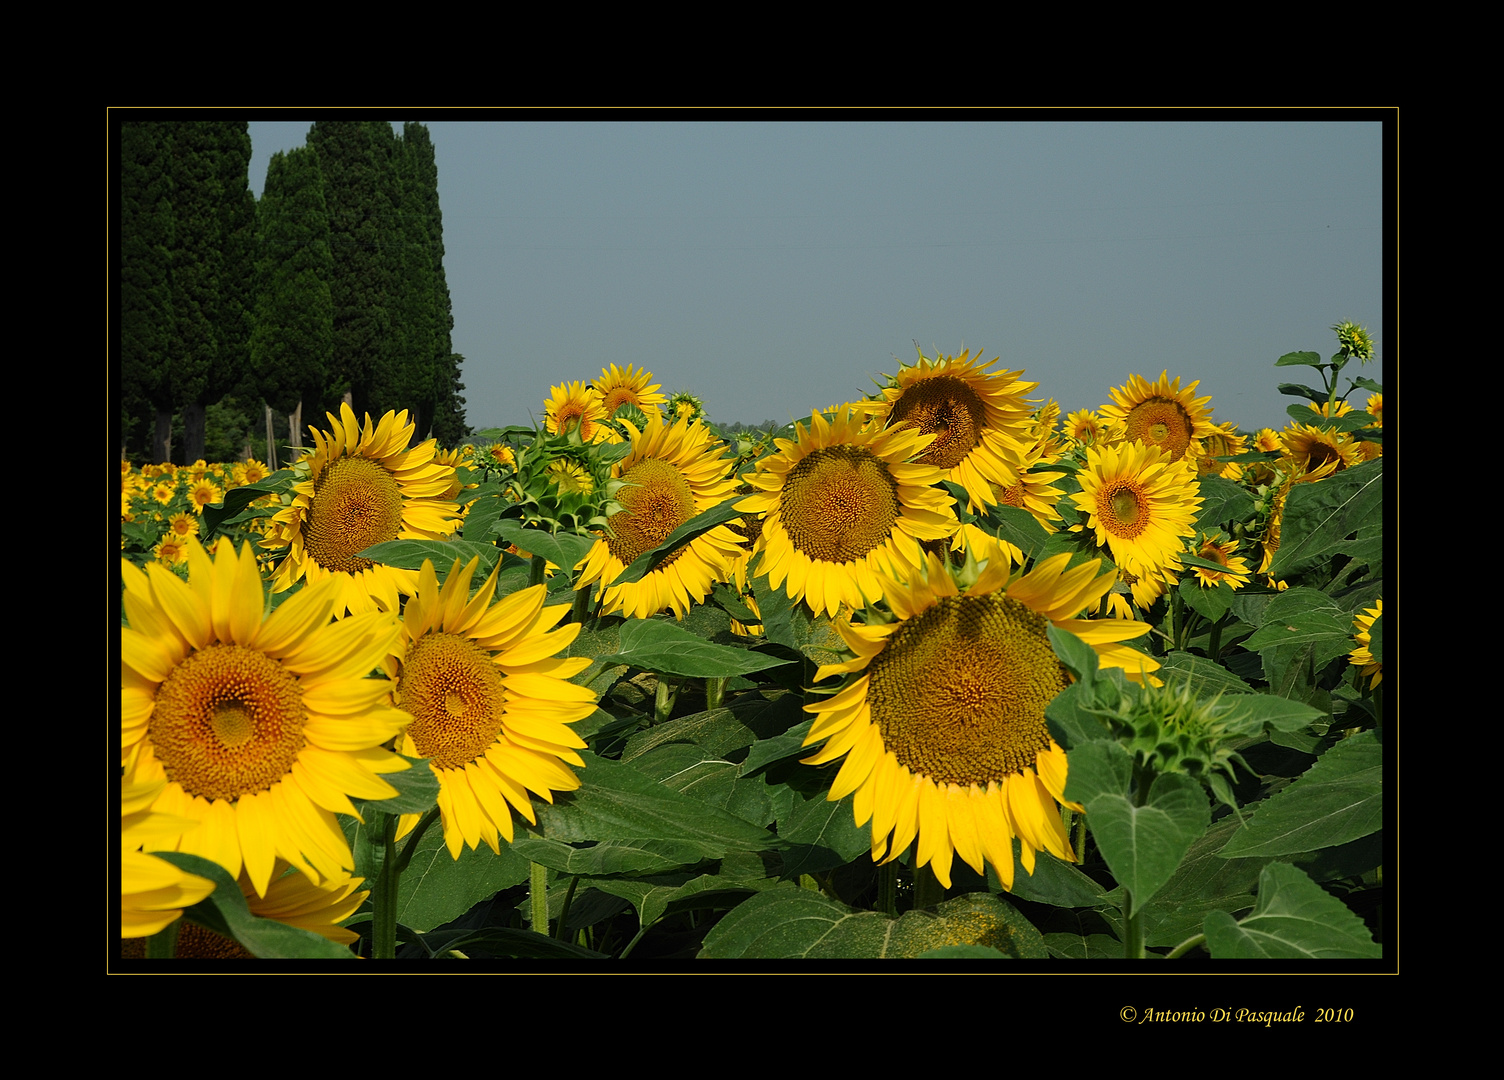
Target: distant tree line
(331, 286)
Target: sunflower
(1213, 548)
(1160, 414)
(842, 505)
(618, 388)
(1029, 489)
(153, 892)
(671, 474)
(171, 551)
(1375, 408)
(1084, 426)
(250, 472)
(943, 728)
(363, 487)
(685, 406)
(261, 728)
(975, 416)
(1319, 452)
(577, 405)
(1224, 441)
(1362, 656)
(182, 525)
(164, 493)
(490, 705)
(1141, 503)
(569, 477)
(204, 493)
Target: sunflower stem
(581, 606)
(410, 848)
(928, 892)
(535, 570)
(1133, 934)
(384, 893)
(1186, 946)
(1214, 647)
(715, 691)
(537, 887)
(663, 700)
(887, 888)
(163, 945)
(564, 911)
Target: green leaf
(564, 550)
(1294, 918)
(437, 888)
(1018, 526)
(1309, 359)
(1222, 503)
(655, 897)
(237, 499)
(610, 856)
(226, 913)
(1142, 845)
(1210, 603)
(662, 647)
(1204, 882)
(1300, 615)
(823, 835)
(1206, 677)
(1338, 799)
(699, 524)
(1301, 390)
(1319, 516)
(791, 922)
(417, 787)
(410, 555)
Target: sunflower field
(938, 673)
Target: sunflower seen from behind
(362, 487)
(261, 728)
(1160, 414)
(975, 416)
(491, 702)
(671, 474)
(942, 726)
(843, 503)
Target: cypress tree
(292, 345)
(146, 311)
(445, 408)
(417, 338)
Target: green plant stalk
(887, 888)
(928, 892)
(384, 892)
(663, 700)
(537, 887)
(163, 945)
(1133, 934)
(1214, 647)
(1186, 946)
(537, 567)
(715, 691)
(581, 610)
(410, 848)
(564, 911)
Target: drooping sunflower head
(363, 487)
(1141, 503)
(1224, 441)
(673, 473)
(260, 728)
(575, 406)
(973, 415)
(1159, 414)
(1319, 452)
(842, 504)
(490, 703)
(1215, 548)
(943, 724)
(619, 387)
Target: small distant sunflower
(1354, 340)
(1319, 451)
(182, 525)
(943, 727)
(577, 405)
(490, 704)
(1141, 504)
(251, 472)
(1224, 441)
(1160, 414)
(261, 728)
(363, 487)
(1085, 426)
(1215, 548)
(672, 474)
(1362, 656)
(974, 415)
(843, 504)
(172, 550)
(618, 388)
(164, 493)
(500, 454)
(1267, 440)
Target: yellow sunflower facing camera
(672, 474)
(363, 487)
(490, 702)
(842, 504)
(975, 416)
(261, 728)
(633, 386)
(1142, 504)
(1160, 414)
(943, 728)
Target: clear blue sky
(772, 268)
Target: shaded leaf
(1294, 918)
(1338, 799)
(1319, 516)
(664, 648)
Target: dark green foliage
(146, 320)
(292, 346)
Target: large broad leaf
(822, 836)
(1338, 799)
(1205, 677)
(790, 922)
(411, 554)
(1021, 528)
(1204, 882)
(664, 648)
(1222, 502)
(1307, 359)
(1142, 845)
(564, 550)
(610, 857)
(616, 802)
(437, 888)
(1318, 517)
(226, 913)
(655, 897)
(699, 524)
(1294, 919)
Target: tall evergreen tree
(417, 326)
(292, 345)
(355, 158)
(445, 407)
(146, 311)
